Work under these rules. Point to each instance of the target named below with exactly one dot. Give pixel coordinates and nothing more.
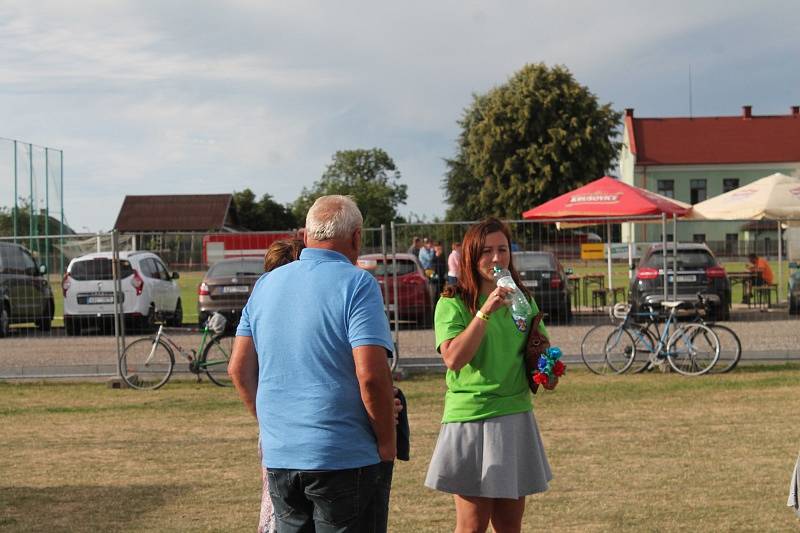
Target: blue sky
(160, 97)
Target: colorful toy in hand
(549, 367)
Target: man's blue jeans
(331, 501)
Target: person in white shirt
(454, 264)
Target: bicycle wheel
(730, 349)
(214, 360)
(693, 349)
(607, 349)
(645, 343)
(146, 364)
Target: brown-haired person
(279, 253)
(282, 252)
(489, 453)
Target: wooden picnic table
(745, 278)
(588, 280)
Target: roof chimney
(747, 111)
(796, 110)
(629, 112)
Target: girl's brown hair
(282, 253)
(469, 280)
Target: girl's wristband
(483, 316)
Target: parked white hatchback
(149, 291)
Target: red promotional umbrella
(607, 198)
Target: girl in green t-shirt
(489, 453)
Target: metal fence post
(119, 322)
(385, 266)
(395, 292)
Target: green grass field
(655, 452)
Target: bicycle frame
(662, 336)
(188, 355)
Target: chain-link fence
(60, 322)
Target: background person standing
(454, 263)
(426, 255)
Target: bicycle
(147, 363)
(730, 347)
(690, 349)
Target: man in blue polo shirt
(316, 331)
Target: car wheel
(45, 322)
(724, 311)
(716, 313)
(148, 322)
(72, 326)
(5, 321)
(176, 320)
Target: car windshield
(687, 259)
(377, 267)
(98, 268)
(533, 262)
(226, 269)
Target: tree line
(538, 135)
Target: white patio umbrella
(775, 197)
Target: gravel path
(29, 354)
(779, 336)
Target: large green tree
(263, 215)
(369, 176)
(535, 137)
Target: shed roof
(174, 212)
(746, 138)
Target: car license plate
(531, 283)
(682, 278)
(100, 300)
(235, 289)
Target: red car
(413, 289)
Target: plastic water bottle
(520, 308)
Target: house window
(729, 184)
(698, 191)
(666, 188)
(699, 237)
(731, 243)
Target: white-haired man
(318, 334)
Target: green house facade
(693, 159)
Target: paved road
(28, 353)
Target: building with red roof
(695, 158)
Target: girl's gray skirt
(501, 457)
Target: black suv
(546, 279)
(25, 294)
(697, 271)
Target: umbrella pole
(664, 251)
(780, 263)
(608, 235)
(674, 257)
